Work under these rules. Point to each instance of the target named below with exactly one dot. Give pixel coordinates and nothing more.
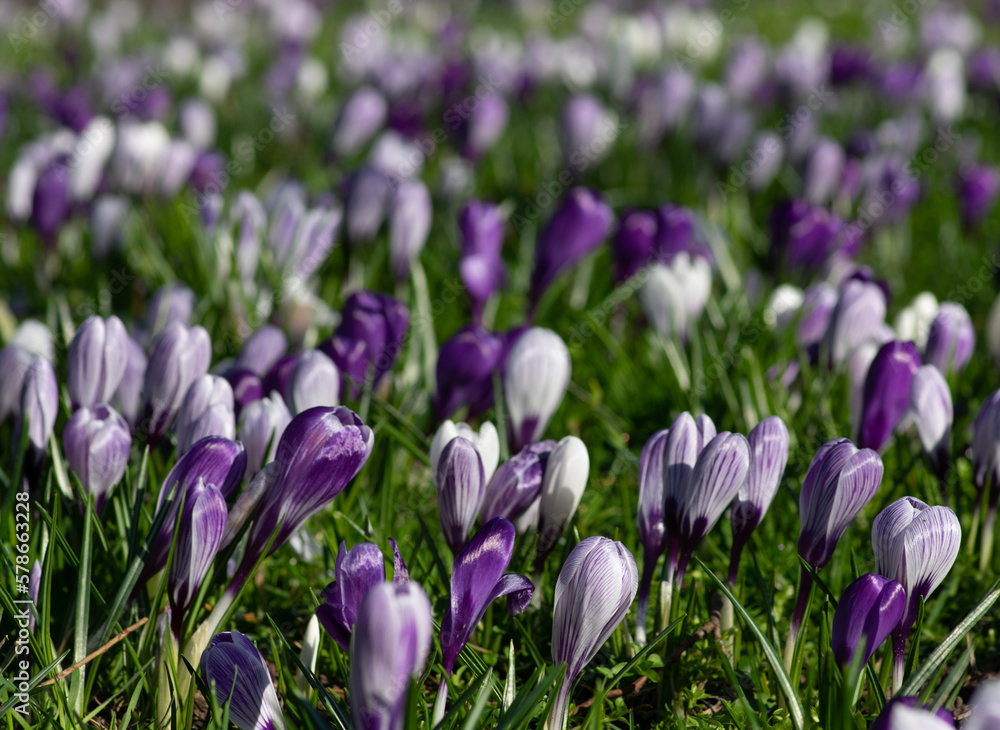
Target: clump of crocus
(236, 672)
(478, 579)
(486, 441)
(595, 588)
(536, 376)
(94, 364)
(916, 545)
(868, 611)
(97, 443)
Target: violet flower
(566, 473)
(410, 217)
(39, 405)
(951, 339)
(887, 393)
(460, 488)
(262, 350)
(482, 227)
(236, 672)
(179, 354)
(932, 413)
(517, 483)
(314, 381)
(486, 441)
(857, 318)
(261, 425)
(207, 410)
(464, 371)
(363, 114)
(14, 363)
(535, 379)
(633, 244)
(246, 386)
(95, 364)
(129, 396)
(904, 713)
(978, 186)
(868, 611)
(97, 444)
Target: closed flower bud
(674, 296)
(235, 671)
(410, 217)
(97, 443)
(464, 370)
(482, 227)
(633, 244)
(951, 339)
(978, 186)
(585, 124)
(129, 396)
(486, 441)
(460, 487)
(868, 611)
(824, 167)
(14, 364)
(170, 303)
(566, 474)
(887, 393)
(686, 439)
(368, 194)
(207, 410)
(262, 350)
(261, 425)
(179, 354)
(362, 115)
(314, 381)
(95, 363)
(39, 405)
(486, 123)
(857, 318)
(535, 379)
(517, 483)
(52, 202)
(593, 593)
(804, 235)
(913, 323)
(985, 707)
(903, 713)
(932, 414)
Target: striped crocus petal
(916, 545)
(652, 533)
(887, 392)
(235, 670)
(199, 535)
(951, 339)
(566, 475)
(460, 488)
(868, 611)
(913, 703)
(680, 453)
(536, 376)
(358, 571)
(517, 483)
(986, 440)
(840, 482)
(932, 413)
(859, 313)
(478, 579)
(814, 315)
(903, 717)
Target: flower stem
(801, 603)
(558, 717)
(667, 590)
(442, 701)
(989, 524)
(642, 607)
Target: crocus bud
(486, 441)
(129, 395)
(14, 364)
(686, 439)
(368, 193)
(391, 639)
(803, 234)
(517, 483)
(363, 114)
(857, 318)
(985, 707)
(566, 474)
(904, 713)
(236, 672)
(868, 611)
(464, 370)
(769, 454)
(633, 243)
(583, 125)
(170, 303)
(674, 296)
(199, 534)
(481, 226)
(579, 226)
(95, 364)
(179, 354)
(314, 381)
(840, 481)
(783, 306)
(978, 186)
(52, 202)
(207, 410)
(535, 379)
(460, 488)
(39, 404)
(246, 386)
(887, 393)
(249, 221)
(932, 414)
(410, 216)
(913, 323)
(261, 425)
(36, 338)
(486, 123)
(309, 654)
(371, 335)
(358, 571)
(824, 167)
(951, 339)
(593, 593)
(262, 350)
(97, 443)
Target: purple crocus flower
(39, 405)
(129, 395)
(803, 233)
(978, 186)
(236, 672)
(582, 125)
(517, 483)
(932, 414)
(277, 377)
(52, 202)
(985, 704)
(916, 545)
(565, 479)
(179, 354)
(262, 350)
(460, 488)
(769, 454)
(951, 339)
(887, 393)
(686, 439)
(97, 444)
(823, 170)
(849, 64)
(247, 388)
(814, 319)
(906, 713)
(465, 368)
(391, 639)
(593, 593)
(94, 364)
(261, 425)
(410, 215)
(207, 410)
(363, 114)
(482, 227)
(170, 303)
(652, 530)
(199, 535)
(367, 202)
(358, 571)
(371, 335)
(868, 611)
(857, 318)
(478, 579)
(634, 242)
(485, 125)
(579, 226)
(314, 381)
(535, 378)
(14, 363)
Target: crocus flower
(805, 235)
(262, 350)
(14, 363)
(868, 611)
(52, 201)
(170, 303)
(391, 639)
(97, 443)
(814, 318)
(358, 571)
(675, 294)
(913, 323)
(362, 115)
(566, 474)
(486, 441)
(249, 222)
(535, 379)
(783, 306)
(932, 414)
(464, 371)
(410, 216)
(368, 193)
(39, 405)
(236, 672)
(517, 483)
(857, 317)
(951, 339)
(593, 593)
(179, 354)
(36, 338)
(579, 226)
(769, 454)
(460, 489)
(246, 386)
(978, 186)
(584, 122)
(985, 707)
(652, 530)
(633, 243)
(916, 545)
(485, 125)
(95, 364)
(207, 410)
(261, 425)
(314, 381)
(822, 171)
(904, 713)
(481, 225)
(129, 395)
(478, 579)
(686, 439)
(199, 535)
(887, 392)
